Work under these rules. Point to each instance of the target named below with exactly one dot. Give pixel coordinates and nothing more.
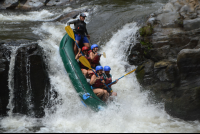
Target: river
(112, 24)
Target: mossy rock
(140, 76)
(146, 31)
(139, 68)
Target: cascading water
(131, 110)
(11, 79)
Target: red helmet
(85, 48)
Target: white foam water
(11, 79)
(30, 16)
(131, 110)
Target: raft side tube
(76, 76)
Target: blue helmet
(93, 46)
(99, 68)
(107, 68)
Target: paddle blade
(130, 72)
(70, 32)
(85, 62)
(104, 54)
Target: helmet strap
(93, 50)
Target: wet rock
(136, 56)
(31, 82)
(174, 49)
(4, 69)
(192, 44)
(162, 64)
(10, 4)
(65, 17)
(188, 62)
(1, 4)
(185, 102)
(31, 4)
(168, 19)
(171, 72)
(57, 2)
(145, 72)
(160, 53)
(191, 24)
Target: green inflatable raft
(88, 98)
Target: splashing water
(11, 79)
(131, 110)
(30, 16)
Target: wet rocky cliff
(24, 80)
(167, 55)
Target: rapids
(113, 25)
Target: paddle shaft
(115, 81)
(101, 80)
(122, 77)
(71, 34)
(79, 47)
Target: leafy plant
(146, 31)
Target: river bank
(167, 55)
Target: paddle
(86, 63)
(122, 76)
(104, 54)
(71, 34)
(82, 59)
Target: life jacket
(108, 79)
(82, 66)
(96, 58)
(98, 83)
(80, 27)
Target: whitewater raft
(88, 98)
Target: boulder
(31, 4)
(10, 4)
(188, 62)
(185, 103)
(64, 18)
(57, 2)
(191, 24)
(168, 19)
(30, 76)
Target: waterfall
(131, 111)
(11, 79)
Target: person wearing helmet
(94, 56)
(108, 79)
(80, 32)
(98, 84)
(86, 72)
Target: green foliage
(140, 75)
(148, 46)
(146, 31)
